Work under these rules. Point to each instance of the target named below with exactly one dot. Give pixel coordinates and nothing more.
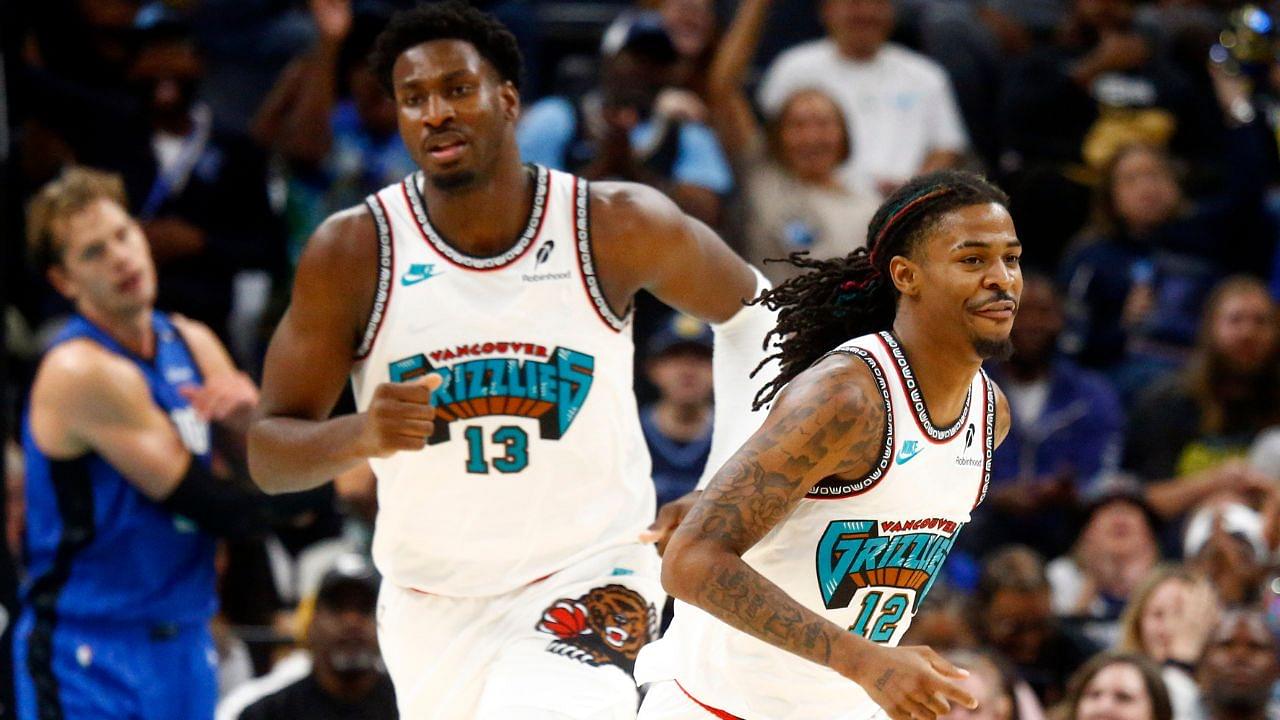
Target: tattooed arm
(829, 421)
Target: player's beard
(989, 349)
(453, 181)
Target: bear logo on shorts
(607, 626)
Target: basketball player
(482, 310)
(121, 504)
(801, 565)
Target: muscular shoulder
(633, 226)
(338, 270)
(83, 371)
(840, 382)
(627, 210)
(78, 381)
(837, 398)
(346, 236)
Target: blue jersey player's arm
(829, 421)
(86, 399)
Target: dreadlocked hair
(851, 296)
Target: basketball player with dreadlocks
(481, 309)
(801, 565)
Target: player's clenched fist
(399, 417)
(911, 683)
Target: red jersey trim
(714, 711)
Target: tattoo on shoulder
(753, 493)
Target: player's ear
(61, 281)
(509, 96)
(905, 275)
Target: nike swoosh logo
(905, 457)
(407, 280)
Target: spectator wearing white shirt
(900, 107)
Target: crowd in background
(1123, 564)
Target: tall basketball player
(801, 565)
(121, 503)
(481, 308)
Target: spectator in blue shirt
(1067, 429)
(617, 132)
(677, 427)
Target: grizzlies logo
(607, 626)
(853, 554)
(549, 386)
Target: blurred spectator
(974, 42)
(677, 427)
(984, 682)
(1137, 279)
(618, 131)
(899, 106)
(246, 43)
(1239, 667)
(793, 199)
(1013, 615)
(691, 24)
(942, 623)
(1117, 548)
(1168, 619)
(1102, 85)
(333, 124)
(200, 192)
(1226, 542)
(1067, 430)
(1189, 430)
(294, 666)
(86, 41)
(1117, 686)
(347, 680)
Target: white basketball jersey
(861, 553)
(538, 459)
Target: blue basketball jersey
(97, 548)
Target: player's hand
(400, 417)
(226, 397)
(669, 517)
(910, 683)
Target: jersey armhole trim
(586, 258)
(182, 340)
(386, 269)
(833, 488)
(988, 436)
